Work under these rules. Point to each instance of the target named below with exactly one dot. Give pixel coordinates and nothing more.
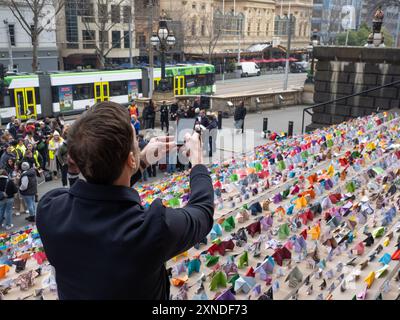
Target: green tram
(41, 95)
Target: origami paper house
(228, 224)
(244, 284)
(269, 295)
(4, 270)
(304, 234)
(243, 260)
(242, 216)
(315, 232)
(280, 254)
(396, 255)
(362, 295)
(227, 295)
(211, 260)
(266, 223)
(254, 228)
(294, 277)
(266, 267)
(178, 282)
(201, 296)
(369, 241)
(300, 245)
(193, 266)
(381, 272)
(277, 198)
(385, 259)
(216, 231)
(360, 248)
(218, 280)
(331, 243)
(369, 280)
(255, 208)
(378, 232)
(283, 231)
(257, 290)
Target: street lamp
(161, 40)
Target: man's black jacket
(105, 245)
(240, 113)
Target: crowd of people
(28, 151)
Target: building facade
(301, 11)
(229, 26)
(147, 14)
(16, 44)
(327, 18)
(95, 33)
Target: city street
(257, 84)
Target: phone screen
(184, 126)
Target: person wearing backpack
(28, 189)
(7, 191)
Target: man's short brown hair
(100, 141)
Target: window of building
(193, 5)
(249, 29)
(127, 13)
(11, 30)
(193, 27)
(87, 11)
(126, 40)
(89, 39)
(116, 39)
(103, 13)
(118, 88)
(258, 28)
(203, 6)
(267, 29)
(103, 38)
(203, 29)
(82, 91)
(115, 14)
(142, 41)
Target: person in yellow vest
(54, 143)
(20, 149)
(36, 156)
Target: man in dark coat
(239, 116)
(101, 241)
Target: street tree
(35, 17)
(360, 37)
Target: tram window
(190, 81)
(201, 80)
(54, 92)
(118, 88)
(29, 96)
(37, 96)
(83, 91)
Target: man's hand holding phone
(193, 148)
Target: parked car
(297, 68)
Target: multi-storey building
(95, 33)
(16, 43)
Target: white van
(246, 69)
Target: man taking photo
(101, 241)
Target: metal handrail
(305, 110)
